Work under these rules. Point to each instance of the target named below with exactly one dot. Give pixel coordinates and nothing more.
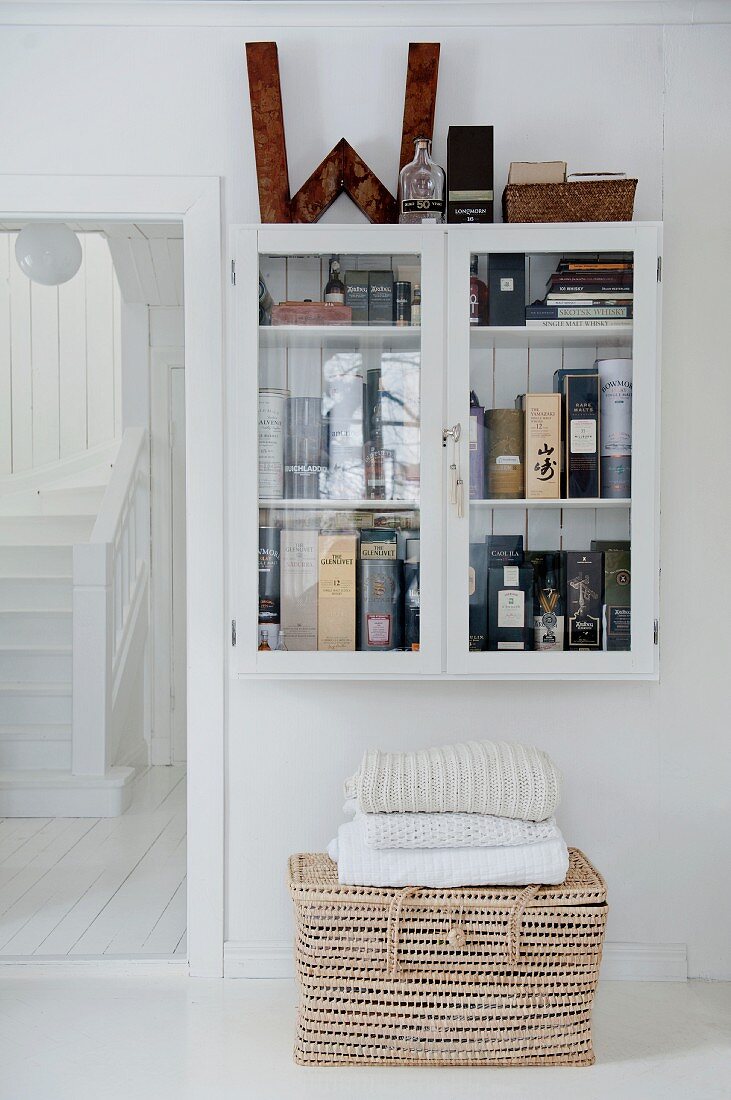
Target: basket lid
(314, 877)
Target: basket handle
(393, 927)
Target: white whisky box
(299, 589)
(337, 555)
(542, 446)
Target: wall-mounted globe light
(48, 252)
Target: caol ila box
(504, 550)
(581, 433)
(542, 446)
(356, 295)
(510, 607)
(380, 298)
(477, 589)
(337, 555)
(506, 286)
(584, 597)
(299, 589)
(470, 174)
(617, 599)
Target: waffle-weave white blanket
(450, 830)
(358, 865)
(477, 777)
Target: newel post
(93, 640)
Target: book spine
(299, 589)
(569, 312)
(477, 452)
(336, 592)
(587, 322)
(615, 379)
(542, 446)
(380, 605)
(589, 287)
(582, 435)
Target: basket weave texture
(479, 976)
(587, 201)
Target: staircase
(40, 524)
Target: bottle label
(511, 609)
(379, 629)
(419, 206)
(548, 631)
(337, 296)
(507, 460)
(583, 437)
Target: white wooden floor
(98, 886)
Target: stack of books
(585, 292)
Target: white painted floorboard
(72, 1032)
(106, 886)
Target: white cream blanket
(449, 830)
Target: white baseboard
(628, 962)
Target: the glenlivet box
(337, 555)
(299, 589)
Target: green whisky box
(617, 599)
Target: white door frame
(195, 200)
(163, 360)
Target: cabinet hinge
(659, 269)
(233, 632)
(233, 272)
(656, 632)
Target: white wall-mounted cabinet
(337, 432)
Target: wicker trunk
(480, 976)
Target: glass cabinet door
(337, 372)
(552, 522)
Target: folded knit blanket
(449, 830)
(358, 865)
(478, 777)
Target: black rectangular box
(581, 435)
(477, 589)
(506, 286)
(356, 295)
(510, 607)
(380, 298)
(584, 599)
(470, 174)
(504, 550)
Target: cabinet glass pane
(339, 453)
(550, 451)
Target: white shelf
(583, 502)
(582, 336)
(341, 337)
(344, 505)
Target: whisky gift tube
(504, 454)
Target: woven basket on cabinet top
(578, 201)
(477, 976)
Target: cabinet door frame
(644, 240)
(247, 243)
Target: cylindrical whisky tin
(305, 449)
(271, 443)
(504, 451)
(402, 302)
(615, 383)
(380, 604)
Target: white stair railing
(110, 578)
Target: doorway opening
(93, 738)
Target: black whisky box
(380, 298)
(610, 544)
(510, 607)
(506, 288)
(504, 550)
(581, 434)
(617, 599)
(584, 599)
(356, 295)
(470, 174)
(477, 589)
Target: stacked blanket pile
(475, 814)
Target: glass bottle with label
(478, 296)
(421, 187)
(334, 287)
(416, 305)
(548, 606)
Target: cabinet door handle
(460, 498)
(456, 485)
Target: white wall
(647, 766)
(59, 359)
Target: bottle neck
(422, 151)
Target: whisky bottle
(478, 296)
(264, 641)
(548, 615)
(421, 187)
(334, 287)
(416, 305)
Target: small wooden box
(311, 313)
(478, 976)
